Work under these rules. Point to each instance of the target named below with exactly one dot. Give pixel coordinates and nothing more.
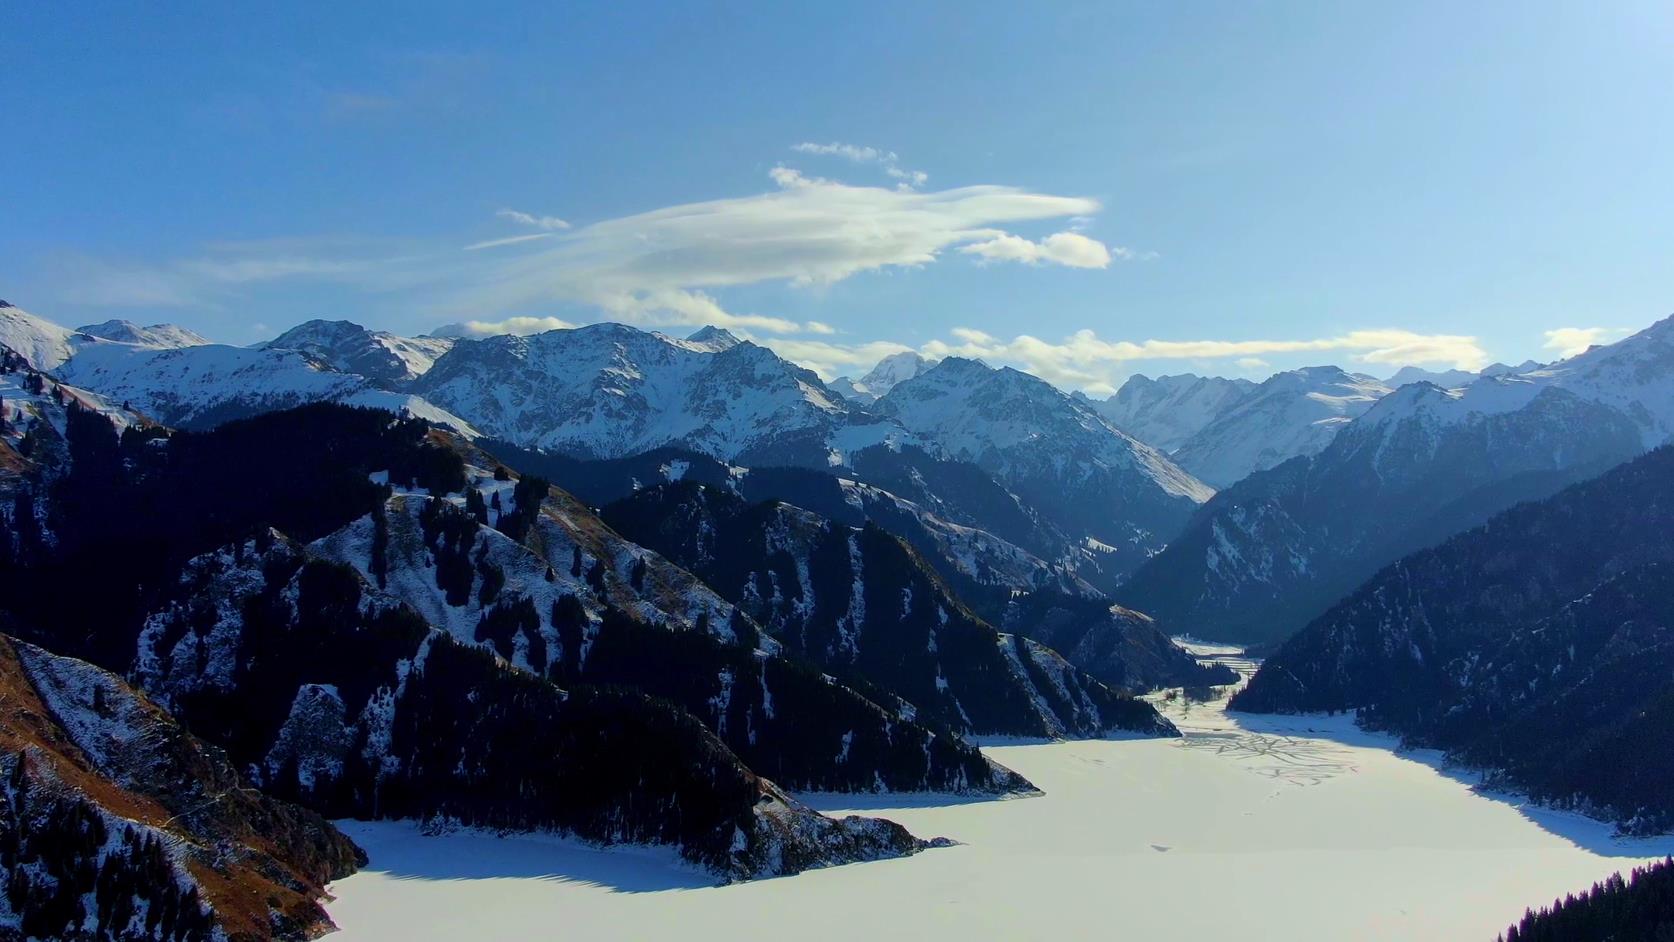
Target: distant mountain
(202, 386)
(1272, 552)
(117, 823)
(43, 344)
(160, 336)
(1122, 648)
(608, 391)
(1053, 451)
(886, 375)
(1446, 379)
(1293, 413)
(1539, 645)
(1502, 369)
(380, 356)
(858, 602)
(1167, 411)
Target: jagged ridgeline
(1537, 646)
(1024, 575)
(860, 603)
(115, 823)
(346, 696)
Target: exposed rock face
(117, 823)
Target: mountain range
(1274, 551)
(501, 581)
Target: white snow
(1302, 828)
(44, 344)
(1296, 412)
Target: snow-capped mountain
(609, 390)
(1446, 379)
(1634, 375)
(1052, 450)
(380, 356)
(891, 370)
(200, 386)
(161, 336)
(1503, 369)
(1276, 549)
(42, 343)
(1296, 412)
(1167, 411)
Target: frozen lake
(1258, 827)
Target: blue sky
(1250, 186)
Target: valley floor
(1258, 827)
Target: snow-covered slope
(608, 390)
(205, 385)
(44, 344)
(1296, 412)
(161, 336)
(1634, 375)
(378, 355)
(1166, 411)
(1052, 450)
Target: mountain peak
(714, 338)
(161, 336)
(892, 370)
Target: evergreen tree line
(1640, 907)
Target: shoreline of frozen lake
(1271, 827)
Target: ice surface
(1298, 828)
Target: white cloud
(1071, 249)
(1570, 341)
(658, 267)
(1085, 361)
(530, 219)
(511, 325)
(887, 159)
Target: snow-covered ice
(1254, 827)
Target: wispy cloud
(887, 159)
(509, 240)
(1571, 341)
(530, 219)
(663, 267)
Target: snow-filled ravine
(1253, 827)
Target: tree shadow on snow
(400, 851)
(1590, 834)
